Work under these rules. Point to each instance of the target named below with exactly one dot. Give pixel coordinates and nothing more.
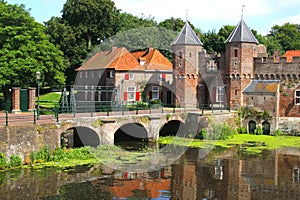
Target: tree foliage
(92, 18)
(287, 36)
(26, 49)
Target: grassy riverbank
(254, 144)
(114, 155)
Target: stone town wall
(21, 140)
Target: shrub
(278, 132)
(242, 130)
(42, 155)
(258, 130)
(15, 161)
(202, 135)
(3, 163)
(58, 154)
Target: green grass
(253, 144)
(50, 100)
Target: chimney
(276, 56)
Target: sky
(208, 15)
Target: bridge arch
(79, 136)
(131, 132)
(173, 128)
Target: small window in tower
(180, 55)
(235, 53)
(190, 54)
(236, 92)
(297, 97)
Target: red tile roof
(118, 59)
(291, 54)
(154, 60)
(122, 59)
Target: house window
(110, 74)
(155, 92)
(220, 94)
(131, 76)
(86, 93)
(80, 74)
(296, 175)
(92, 73)
(131, 93)
(297, 97)
(162, 77)
(86, 74)
(92, 93)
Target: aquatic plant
(15, 161)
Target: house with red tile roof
(289, 55)
(118, 76)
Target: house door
(266, 128)
(252, 127)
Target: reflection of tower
(183, 185)
(186, 48)
(240, 51)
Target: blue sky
(207, 15)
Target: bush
(258, 130)
(278, 132)
(202, 135)
(242, 130)
(42, 155)
(3, 163)
(15, 161)
(58, 154)
(222, 132)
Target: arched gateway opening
(131, 136)
(266, 128)
(79, 137)
(252, 127)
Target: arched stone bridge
(94, 131)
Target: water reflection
(220, 175)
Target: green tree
(69, 42)
(174, 24)
(26, 49)
(92, 18)
(287, 35)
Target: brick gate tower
(241, 48)
(186, 48)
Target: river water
(222, 174)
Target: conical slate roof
(242, 33)
(187, 36)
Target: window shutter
(125, 96)
(137, 96)
(126, 76)
(164, 77)
(150, 94)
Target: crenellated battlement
(272, 60)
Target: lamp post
(38, 78)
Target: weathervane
(243, 6)
(186, 14)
